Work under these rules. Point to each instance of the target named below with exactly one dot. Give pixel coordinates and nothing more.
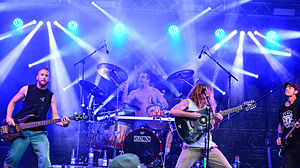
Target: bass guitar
(10, 133)
(190, 130)
(285, 140)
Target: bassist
(289, 113)
(191, 152)
(37, 99)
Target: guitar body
(285, 141)
(190, 130)
(10, 133)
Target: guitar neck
(228, 111)
(291, 131)
(40, 123)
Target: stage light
(119, 28)
(219, 33)
(72, 25)
(272, 35)
(173, 30)
(217, 46)
(18, 22)
(274, 63)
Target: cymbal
(91, 88)
(112, 73)
(183, 74)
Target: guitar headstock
(249, 105)
(78, 117)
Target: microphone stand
(207, 135)
(210, 55)
(82, 61)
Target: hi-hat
(180, 75)
(91, 88)
(112, 73)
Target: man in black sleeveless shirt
(289, 115)
(37, 100)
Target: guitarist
(192, 152)
(289, 113)
(36, 100)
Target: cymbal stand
(116, 118)
(82, 61)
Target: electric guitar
(10, 133)
(190, 130)
(285, 140)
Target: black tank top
(37, 102)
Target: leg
(40, 145)
(217, 159)
(188, 157)
(16, 152)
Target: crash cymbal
(91, 88)
(183, 74)
(112, 73)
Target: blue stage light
(119, 28)
(219, 33)
(72, 25)
(18, 23)
(272, 35)
(173, 30)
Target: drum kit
(113, 130)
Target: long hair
(200, 99)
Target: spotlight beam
(60, 78)
(193, 19)
(221, 43)
(115, 20)
(280, 70)
(289, 50)
(10, 59)
(14, 32)
(238, 87)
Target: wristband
(279, 135)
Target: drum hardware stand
(116, 119)
(82, 61)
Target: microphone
(202, 51)
(203, 90)
(106, 48)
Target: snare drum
(144, 143)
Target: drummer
(143, 97)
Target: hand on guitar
(195, 115)
(65, 121)
(10, 121)
(279, 141)
(219, 117)
(297, 124)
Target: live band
(143, 123)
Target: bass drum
(144, 143)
